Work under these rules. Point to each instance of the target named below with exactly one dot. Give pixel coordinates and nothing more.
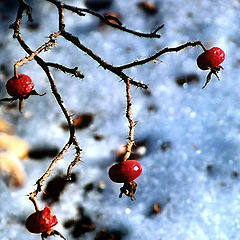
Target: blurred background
(187, 137)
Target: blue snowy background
(191, 155)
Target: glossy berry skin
(211, 58)
(19, 87)
(41, 221)
(125, 171)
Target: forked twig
(81, 11)
(46, 46)
(72, 138)
(74, 71)
(117, 70)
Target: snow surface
(193, 180)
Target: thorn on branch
(52, 42)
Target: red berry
(125, 171)
(41, 221)
(211, 58)
(19, 87)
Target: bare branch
(80, 12)
(76, 159)
(73, 39)
(157, 29)
(117, 70)
(65, 69)
(16, 25)
(46, 46)
(158, 54)
(72, 138)
(131, 122)
(88, 51)
(49, 170)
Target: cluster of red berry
(125, 172)
(21, 87)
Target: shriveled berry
(112, 17)
(41, 221)
(125, 171)
(211, 58)
(148, 7)
(19, 87)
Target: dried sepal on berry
(214, 71)
(211, 60)
(52, 232)
(129, 189)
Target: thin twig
(65, 69)
(117, 70)
(131, 122)
(76, 159)
(157, 29)
(80, 12)
(60, 102)
(16, 25)
(46, 46)
(33, 199)
(50, 168)
(158, 54)
(75, 40)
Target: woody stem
(32, 198)
(131, 122)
